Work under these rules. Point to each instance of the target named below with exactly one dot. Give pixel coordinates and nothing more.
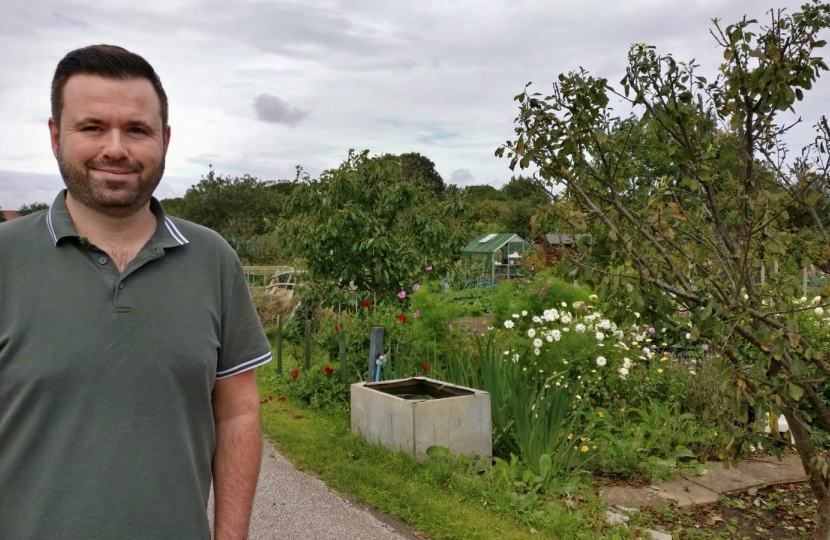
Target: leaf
(795, 391)
(545, 465)
(728, 54)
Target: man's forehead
(84, 92)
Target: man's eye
(92, 128)
(136, 130)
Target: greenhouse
(499, 253)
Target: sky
(260, 87)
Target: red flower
(281, 399)
(426, 367)
(367, 304)
(328, 370)
(266, 400)
(402, 318)
(295, 373)
(336, 329)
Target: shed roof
(563, 239)
(488, 243)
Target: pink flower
(429, 268)
(416, 287)
(402, 294)
(416, 314)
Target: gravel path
(292, 505)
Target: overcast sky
(258, 87)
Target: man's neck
(103, 230)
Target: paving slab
(615, 518)
(632, 497)
(685, 492)
(658, 535)
(772, 471)
(722, 480)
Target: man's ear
(54, 135)
(166, 138)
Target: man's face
(110, 144)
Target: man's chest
(87, 322)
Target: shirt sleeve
(244, 344)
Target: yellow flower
(648, 340)
(601, 414)
(622, 409)
(594, 447)
(691, 371)
(593, 371)
(571, 436)
(660, 370)
(593, 298)
(716, 434)
(585, 448)
(582, 438)
(541, 371)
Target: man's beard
(111, 198)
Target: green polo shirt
(106, 425)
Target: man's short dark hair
(109, 62)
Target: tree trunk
(823, 519)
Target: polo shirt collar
(59, 224)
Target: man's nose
(114, 146)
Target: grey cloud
(274, 110)
(462, 177)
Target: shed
(501, 254)
(553, 245)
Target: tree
(414, 165)
(696, 237)
(527, 189)
(32, 208)
(2, 216)
(235, 207)
(361, 224)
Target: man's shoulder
(199, 235)
(25, 227)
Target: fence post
(279, 345)
(375, 350)
(341, 337)
(307, 344)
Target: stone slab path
(691, 489)
(292, 505)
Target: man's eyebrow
(97, 121)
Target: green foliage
(692, 216)
(415, 166)
(241, 209)
(361, 224)
(655, 441)
(27, 209)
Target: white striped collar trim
(51, 228)
(171, 227)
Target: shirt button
(120, 285)
(102, 260)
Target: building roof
(10, 214)
(488, 243)
(564, 239)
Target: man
(128, 339)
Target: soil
(780, 511)
(475, 324)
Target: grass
(437, 498)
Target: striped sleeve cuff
(244, 366)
